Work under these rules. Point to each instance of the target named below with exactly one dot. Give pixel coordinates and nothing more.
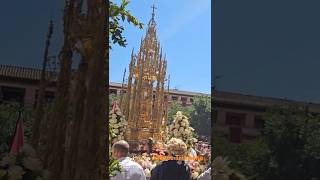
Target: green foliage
(114, 165)
(288, 148)
(222, 171)
(245, 157)
(176, 106)
(8, 117)
(201, 115)
(117, 13)
(292, 134)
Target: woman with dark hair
(174, 168)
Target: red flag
(17, 142)
(114, 106)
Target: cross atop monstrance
(153, 8)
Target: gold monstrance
(144, 105)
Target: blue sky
(184, 32)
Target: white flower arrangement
(180, 128)
(25, 163)
(117, 124)
(8, 159)
(15, 172)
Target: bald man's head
(120, 149)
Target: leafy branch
(117, 14)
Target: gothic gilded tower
(144, 105)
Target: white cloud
(190, 10)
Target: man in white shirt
(130, 170)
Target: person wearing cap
(130, 170)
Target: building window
(12, 94)
(258, 122)
(113, 91)
(235, 119)
(235, 134)
(191, 100)
(184, 101)
(174, 98)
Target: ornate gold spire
(145, 107)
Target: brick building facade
(235, 114)
(21, 84)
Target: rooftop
(24, 73)
(19, 72)
(259, 101)
(172, 91)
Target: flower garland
(117, 127)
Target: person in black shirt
(173, 168)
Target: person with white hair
(130, 170)
(173, 168)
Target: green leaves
(222, 171)
(201, 115)
(117, 14)
(174, 107)
(114, 166)
(293, 136)
(288, 149)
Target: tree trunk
(92, 145)
(77, 118)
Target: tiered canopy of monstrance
(144, 105)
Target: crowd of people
(172, 168)
(203, 148)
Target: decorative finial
(153, 8)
